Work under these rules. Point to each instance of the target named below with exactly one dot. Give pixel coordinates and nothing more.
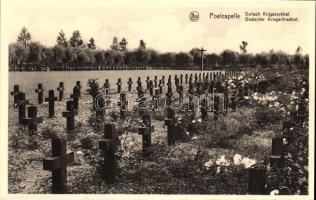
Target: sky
(164, 27)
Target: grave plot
(192, 133)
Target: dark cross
(225, 102)
(15, 92)
(176, 80)
(58, 165)
(75, 97)
(119, 85)
(163, 80)
(202, 56)
(198, 88)
(32, 120)
(108, 146)
(146, 132)
(196, 78)
(205, 87)
(40, 91)
(277, 152)
(169, 95)
(181, 79)
(204, 108)
(123, 106)
(61, 91)
(186, 78)
(233, 103)
(200, 78)
(106, 86)
(160, 86)
(21, 106)
(216, 106)
(51, 103)
(170, 122)
(147, 83)
(180, 92)
(156, 81)
(156, 98)
(130, 83)
(256, 179)
(151, 88)
(70, 116)
(139, 88)
(78, 85)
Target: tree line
(76, 54)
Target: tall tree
(24, 37)
(91, 44)
(61, 39)
(123, 44)
(75, 40)
(142, 44)
(115, 45)
(243, 46)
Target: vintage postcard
(126, 99)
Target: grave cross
(146, 132)
(257, 179)
(186, 78)
(106, 86)
(51, 103)
(156, 81)
(78, 85)
(70, 116)
(151, 88)
(119, 85)
(15, 93)
(277, 152)
(123, 106)
(61, 90)
(58, 165)
(108, 146)
(202, 54)
(130, 83)
(40, 91)
(147, 83)
(32, 120)
(21, 105)
(75, 97)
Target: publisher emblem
(194, 16)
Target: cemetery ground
(213, 157)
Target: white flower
(187, 133)
(291, 129)
(274, 192)
(237, 159)
(247, 162)
(199, 120)
(208, 164)
(193, 121)
(194, 138)
(246, 97)
(218, 170)
(222, 161)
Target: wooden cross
(257, 179)
(277, 152)
(78, 85)
(123, 106)
(204, 108)
(108, 146)
(130, 83)
(15, 92)
(202, 54)
(70, 116)
(100, 108)
(58, 165)
(146, 133)
(163, 80)
(119, 85)
(32, 120)
(181, 79)
(75, 97)
(106, 86)
(40, 91)
(21, 105)
(186, 78)
(233, 103)
(160, 86)
(51, 103)
(61, 90)
(156, 81)
(147, 83)
(151, 88)
(171, 124)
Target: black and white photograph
(157, 97)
